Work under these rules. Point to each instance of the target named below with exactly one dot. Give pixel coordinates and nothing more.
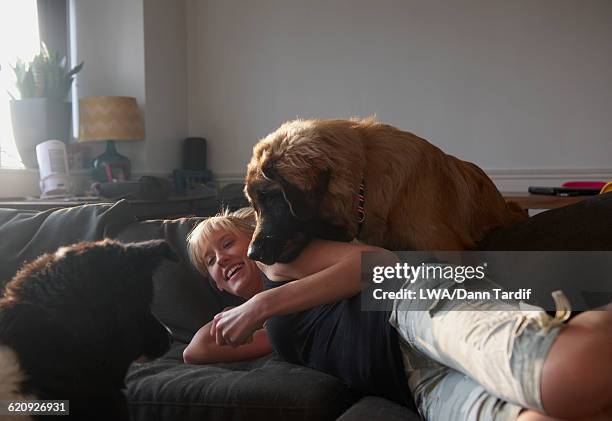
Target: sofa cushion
(27, 234)
(263, 389)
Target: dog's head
(285, 219)
(89, 305)
(287, 180)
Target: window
(19, 38)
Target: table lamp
(110, 118)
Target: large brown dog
(346, 179)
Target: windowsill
(26, 172)
(18, 182)
(32, 170)
(14, 170)
(23, 182)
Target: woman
(458, 364)
(230, 232)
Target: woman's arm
(204, 350)
(327, 271)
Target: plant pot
(36, 120)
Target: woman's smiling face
(226, 260)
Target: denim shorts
(473, 359)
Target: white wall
(166, 83)
(519, 87)
(522, 88)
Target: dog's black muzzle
(269, 249)
(265, 249)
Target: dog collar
(360, 205)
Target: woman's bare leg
(577, 374)
(530, 415)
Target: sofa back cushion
(25, 235)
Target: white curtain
(19, 38)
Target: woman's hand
(235, 326)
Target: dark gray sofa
(267, 388)
(167, 389)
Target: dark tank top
(359, 347)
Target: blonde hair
(240, 221)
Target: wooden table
(542, 201)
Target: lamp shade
(109, 118)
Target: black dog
(73, 321)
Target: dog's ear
(156, 248)
(304, 205)
(268, 170)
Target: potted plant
(42, 112)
